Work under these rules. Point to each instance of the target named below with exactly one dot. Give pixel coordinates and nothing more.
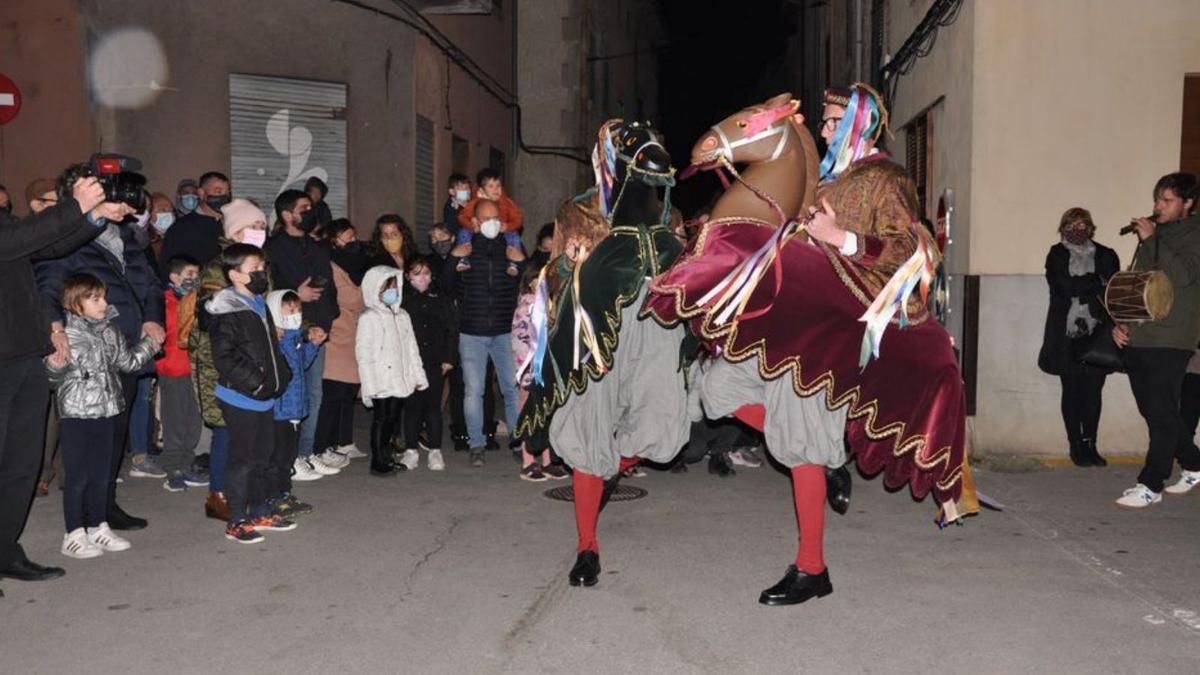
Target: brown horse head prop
(781, 155)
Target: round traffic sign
(10, 99)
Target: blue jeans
(474, 352)
(139, 416)
(218, 459)
(313, 392)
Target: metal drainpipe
(858, 39)
(514, 143)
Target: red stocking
(628, 463)
(588, 490)
(753, 415)
(808, 488)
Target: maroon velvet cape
(906, 408)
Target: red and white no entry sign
(10, 99)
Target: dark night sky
(719, 58)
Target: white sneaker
(303, 471)
(351, 451)
(1139, 497)
(334, 459)
(1187, 481)
(319, 465)
(76, 545)
(411, 458)
(436, 463)
(105, 538)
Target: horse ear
(781, 99)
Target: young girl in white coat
(389, 363)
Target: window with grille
(917, 157)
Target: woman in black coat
(1077, 269)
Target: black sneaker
(461, 444)
(242, 533)
(477, 457)
(491, 443)
(555, 471)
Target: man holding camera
(1157, 352)
(79, 216)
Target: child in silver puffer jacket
(89, 400)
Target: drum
(1137, 297)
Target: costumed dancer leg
(808, 578)
(838, 483)
(589, 491)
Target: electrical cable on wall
(474, 71)
(920, 43)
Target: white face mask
(292, 321)
(254, 237)
(490, 228)
(462, 196)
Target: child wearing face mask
(242, 223)
(300, 349)
(509, 223)
(524, 342)
(179, 409)
(89, 399)
(251, 374)
(436, 331)
(389, 362)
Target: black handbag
(1098, 350)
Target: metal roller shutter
(282, 131)
(424, 182)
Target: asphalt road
(465, 572)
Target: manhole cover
(623, 493)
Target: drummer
(1156, 353)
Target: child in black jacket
(436, 329)
(251, 374)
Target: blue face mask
(391, 296)
(188, 203)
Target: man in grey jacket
(1157, 352)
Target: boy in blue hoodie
(292, 406)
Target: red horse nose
(709, 143)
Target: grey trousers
(798, 430)
(181, 422)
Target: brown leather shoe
(216, 507)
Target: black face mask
(354, 247)
(215, 202)
(258, 283)
(6, 209)
(307, 221)
(442, 248)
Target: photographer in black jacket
(24, 342)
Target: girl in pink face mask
(436, 330)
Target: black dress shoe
(795, 587)
(837, 489)
(117, 519)
(27, 570)
(461, 444)
(379, 469)
(719, 465)
(586, 571)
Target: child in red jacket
(511, 220)
(179, 408)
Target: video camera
(118, 176)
